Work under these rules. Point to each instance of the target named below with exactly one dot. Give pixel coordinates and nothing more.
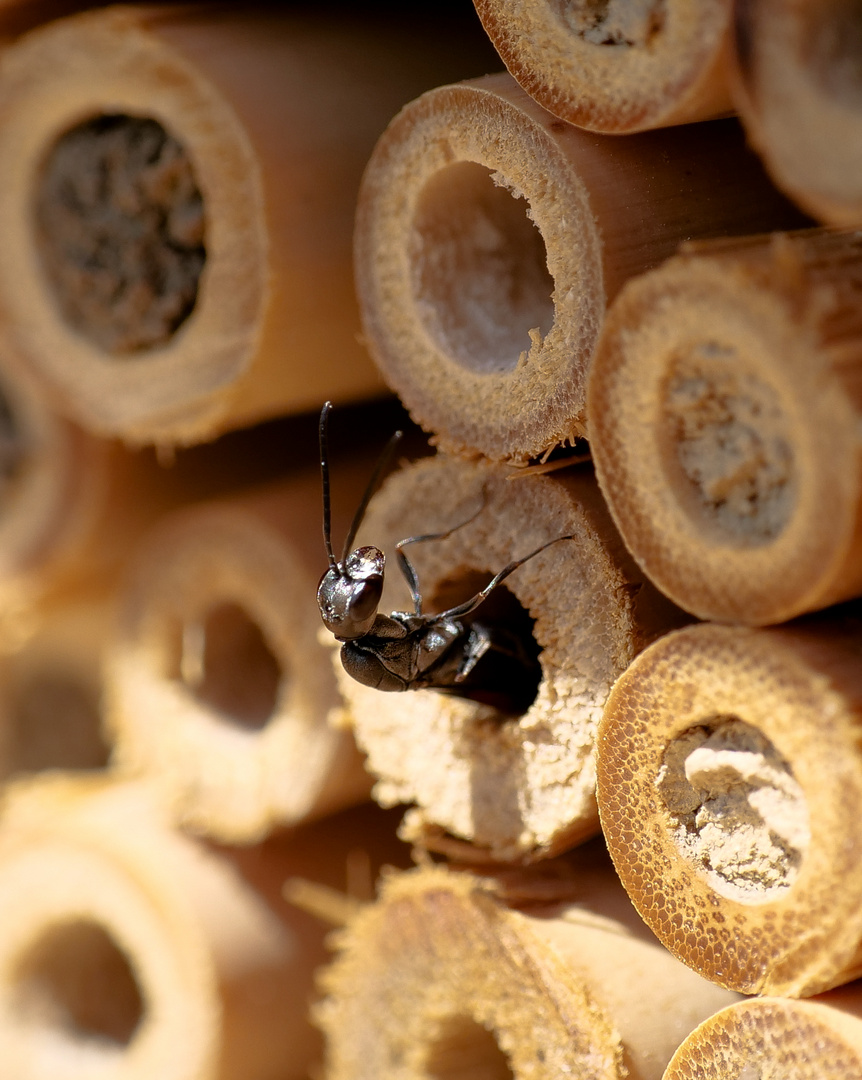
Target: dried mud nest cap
(726, 762)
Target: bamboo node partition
(120, 230)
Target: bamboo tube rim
(51, 72)
(757, 339)
(795, 940)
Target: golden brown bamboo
(729, 779)
(217, 687)
(773, 1037)
(797, 89)
(620, 67)
(259, 125)
(439, 978)
(725, 402)
(130, 950)
(520, 785)
(491, 236)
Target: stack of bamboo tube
(177, 186)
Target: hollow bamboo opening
(490, 237)
(616, 66)
(722, 394)
(736, 750)
(511, 773)
(798, 88)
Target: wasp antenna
(380, 468)
(323, 432)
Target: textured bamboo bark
(211, 287)
(440, 978)
(216, 684)
(725, 403)
(617, 67)
(131, 950)
(521, 786)
(797, 90)
(491, 236)
(771, 1037)
(736, 752)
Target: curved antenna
(471, 605)
(323, 436)
(382, 465)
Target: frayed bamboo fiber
(725, 403)
(128, 950)
(520, 786)
(617, 67)
(776, 1039)
(729, 785)
(439, 978)
(491, 236)
(216, 684)
(797, 88)
(207, 283)
(51, 689)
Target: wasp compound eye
(349, 594)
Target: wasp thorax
(349, 593)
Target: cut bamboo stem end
(232, 144)
(735, 752)
(725, 425)
(216, 684)
(440, 977)
(129, 950)
(520, 786)
(490, 237)
(797, 88)
(773, 1037)
(617, 68)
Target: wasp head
(349, 593)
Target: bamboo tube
(515, 779)
(725, 424)
(617, 68)
(129, 950)
(772, 1038)
(216, 685)
(736, 752)
(439, 978)
(797, 91)
(222, 290)
(490, 238)
(50, 692)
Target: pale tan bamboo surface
(619, 68)
(441, 978)
(797, 90)
(729, 775)
(491, 236)
(217, 686)
(725, 424)
(235, 302)
(130, 950)
(50, 691)
(515, 786)
(776, 1039)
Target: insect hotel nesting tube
(491, 236)
(798, 92)
(515, 778)
(620, 67)
(216, 685)
(725, 425)
(774, 1037)
(442, 978)
(201, 285)
(728, 773)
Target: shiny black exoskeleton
(414, 650)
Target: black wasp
(416, 650)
